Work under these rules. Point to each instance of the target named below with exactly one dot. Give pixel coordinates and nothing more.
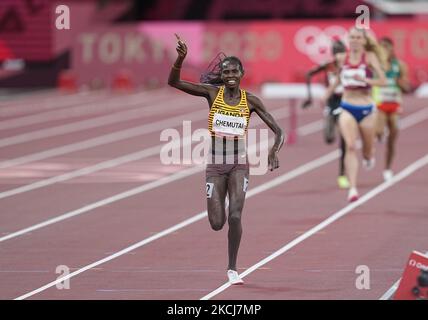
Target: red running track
(190, 263)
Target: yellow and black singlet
(229, 121)
(228, 125)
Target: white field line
(104, 139)
(92, 123)
(112, 163)
(310, 166)
(420, 163)
(6, 96)
(106, 104)
(281, 179)
(60, 101)
(277, 181)
(252, 149)
(56, 102)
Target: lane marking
(117, 117)
(182, 174)
(279, 180)
(104, 139)
(288, 176)
(67, 105)
(390, 292)
(420, 163)
(112, 163)
(140, 189)
(123, 195)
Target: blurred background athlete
(332, 109)
(388, 100)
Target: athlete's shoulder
(211, 87)
(213, 90)
(252, 97)
(254, 101)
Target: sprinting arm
(308, 78)
(257, 105)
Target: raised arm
(257, 105)
(196, 89)
(308, 78)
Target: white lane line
(104, 105)
(281, 179)
(105, 139)
(390, 292)
(53, 100)
(268, 185)
(112, 163)
(34, 114)
(62, 102)
(58, 104)
(140, 189)
(126, 194)
(83, 171)
(292, 174)
(314, 164)
(302, 131)
(92, 123)
(420, 163)
(7, 96)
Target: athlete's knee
(351, 146)
(234, 218)
(379, 132)
(216, 224)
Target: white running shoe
(234, 277)
(387, 175)
(353, 195)
(369, 164)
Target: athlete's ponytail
(373, 46)
(213, 73)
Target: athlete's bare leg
(237, 185)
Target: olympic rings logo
(316, 43)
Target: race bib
(389, 94)
(347, 78)
(228, 125)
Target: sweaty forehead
(230, 65)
